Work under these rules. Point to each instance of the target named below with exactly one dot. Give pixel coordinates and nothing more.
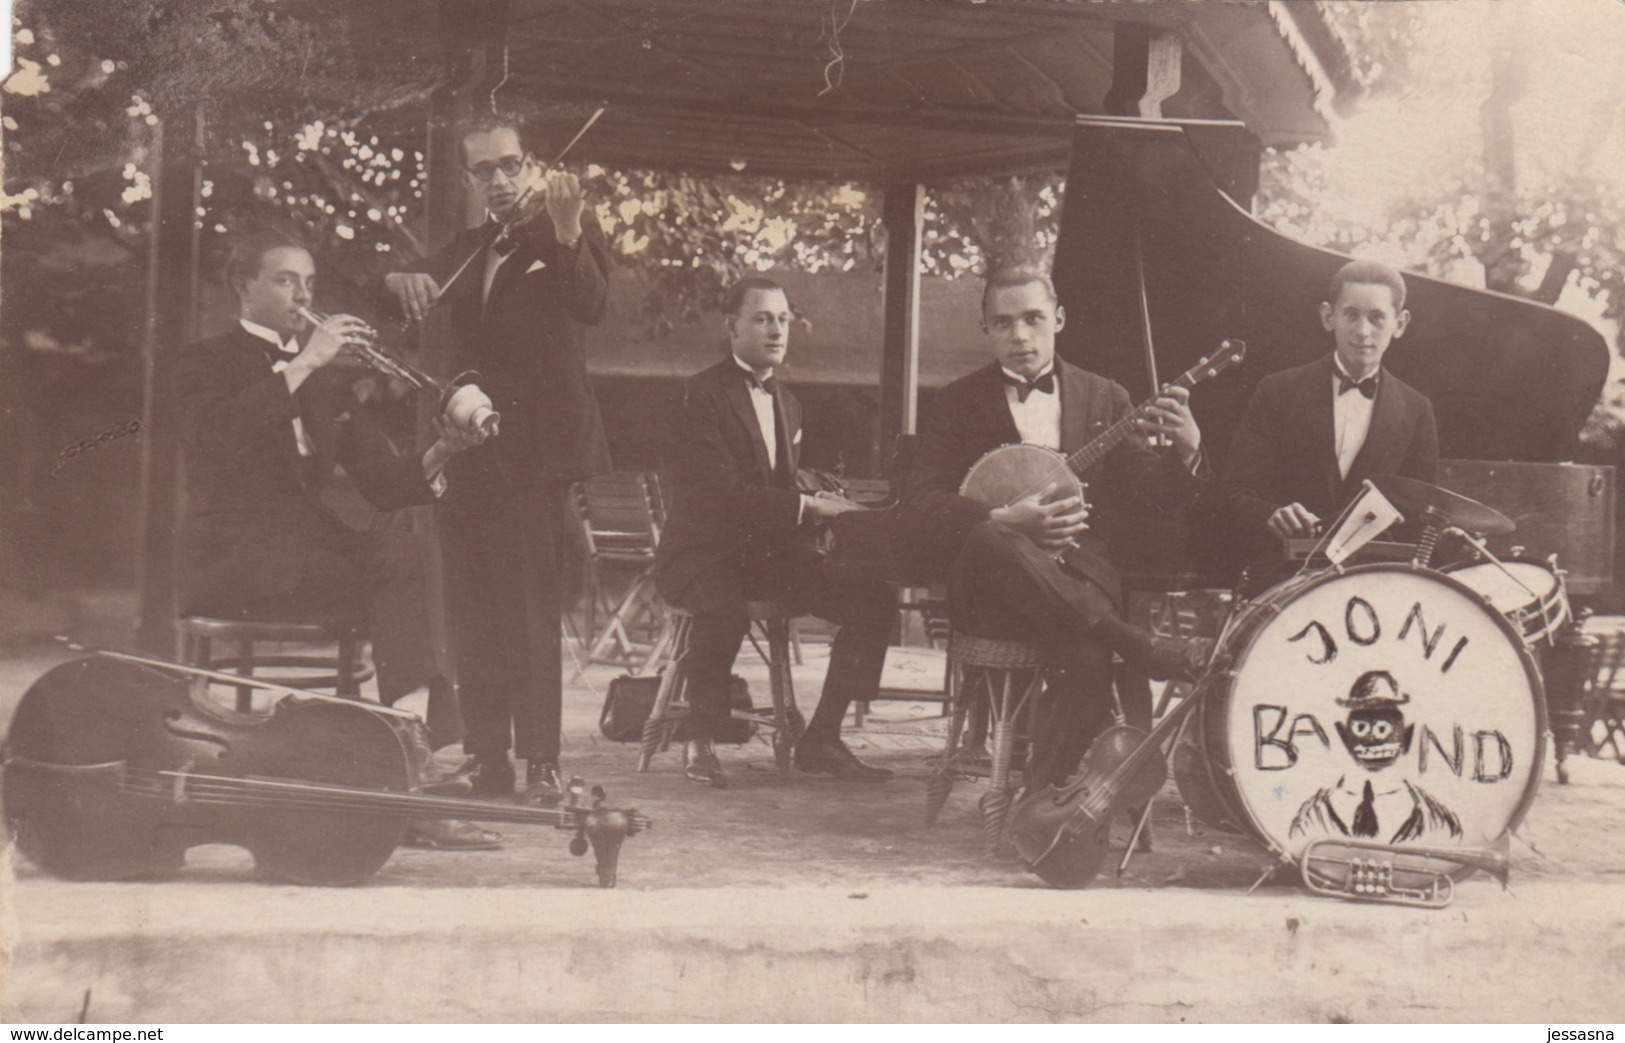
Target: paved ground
(811, 899)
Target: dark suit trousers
(1004, 585)
(865, 613)
(375, 578)
(502, 601)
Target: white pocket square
(535, 266)
(797, 439)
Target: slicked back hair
(1017, 275)
(1371, 273)
(734, 299)
(249, 247)
(490, 123)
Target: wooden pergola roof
(905, 90)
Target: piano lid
(1510, 379)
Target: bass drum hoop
(1254, 616)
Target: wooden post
(1145, 70)
(473, 33)
(171, 321)
(903, 211)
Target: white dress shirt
(762, 402)
(438, 483)
(1038, 420)
(1351, 418)
(767, 423)
(289, 349)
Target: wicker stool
(983, 690)
(344, 672)
(784, 720)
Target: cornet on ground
(1422, 876)
(461, 400)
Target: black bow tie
(1043, 385)
(505, 244)
(1366, 387)
(768, 384)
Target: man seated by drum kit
(1031, 567)
(1312, 435)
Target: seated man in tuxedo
(264, 420)
(1312, 434)
(1033, 569)
(739, 531)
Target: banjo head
(1012, 472)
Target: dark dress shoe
(489, 776)
(700, 765)
(831, 757)
(1179, 658)
(443, 834)
(543, 783)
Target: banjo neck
(1231, 351)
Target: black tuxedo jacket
(972, 416)
(526, 346)
(1285, 450)
(732, 517)
(252, 506)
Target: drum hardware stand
(1269, 871)
(1143, 820)
(1436, 525)
(1567, 666)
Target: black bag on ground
(631, 700)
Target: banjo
(1013, 472)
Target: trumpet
(369, 352)
(461, 400)
(1366, 871)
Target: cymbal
(1416, 497)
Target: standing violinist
(1034, 569)
(265, 418)
(517, 312)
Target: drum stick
(1482, 548)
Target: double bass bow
(116, 765)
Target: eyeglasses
(509, 165)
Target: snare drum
(1385, 703)
(1529, 592)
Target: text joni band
(1368, 701)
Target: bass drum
(1386, 703)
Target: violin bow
(496, 231)
(1145, 323)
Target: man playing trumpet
(265, 417)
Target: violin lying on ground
(1063, 833)
(115, 766)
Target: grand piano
(1511, 381)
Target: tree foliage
(1502, 181)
